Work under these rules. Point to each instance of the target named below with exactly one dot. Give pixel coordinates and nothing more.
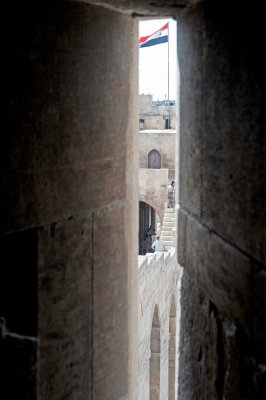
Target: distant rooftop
(158, 131)
(163, 103)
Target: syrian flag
(158, 37)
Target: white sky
(153, 62)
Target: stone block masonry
(158, 277)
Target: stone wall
(153, 188)
(162, 141)
(159, 276)
(222, 217)
(155, 116)
(69, 194)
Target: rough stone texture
(65, 308)
(222, 199)
(71, 174)
(215, 354)
(198, 345)
(225, 150)
(153, 188)
(224, 273)
(53, 146)
(158, 287)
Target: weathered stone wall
(155, 115)
(222, 218)
(145, 102)
(160, 140)
(153, 188)
(158, 286)
(157, 121)
(69, 173)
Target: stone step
(166, 238)
(169, 209)
(167, 214)
(167, 228)
(168, 219)
(167, 234)
(168, 223)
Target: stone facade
(154, 115)
(164, 141)
(153, 188)
(159, 277)
(156, 173)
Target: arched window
(155, 357)
(154, 159)
(172, 351)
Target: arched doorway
(154, 159)
(172, 351)
(155, 356)
(148, 221)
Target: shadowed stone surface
(66, 170)
(222, 216)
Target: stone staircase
(168, 229)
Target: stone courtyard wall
(153, 188)
(158, 277)
(163, 141)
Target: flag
(158, 37)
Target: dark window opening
(18, 282)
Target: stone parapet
(158, 278)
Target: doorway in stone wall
(148, 227)
(154, 159)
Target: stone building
(69, 199)
(157, 162)
(156, 114)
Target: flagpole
(168, 81)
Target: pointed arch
(154, 159)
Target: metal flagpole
(168, 82)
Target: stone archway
(147, 227)
(154, 159)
